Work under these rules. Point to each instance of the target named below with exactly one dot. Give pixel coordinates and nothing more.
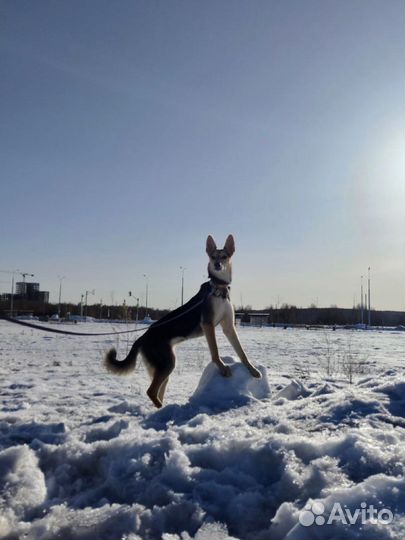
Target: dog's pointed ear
(229, 246)
(210, 246)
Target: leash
(66, 332)
(154, 325)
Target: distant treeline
(290, 314)
(98, 311)
(286, 314)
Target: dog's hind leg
(149, 369)
(162, 390)
(163, 362)
(153, 390)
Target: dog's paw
(255, 373)
(226, 371)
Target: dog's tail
(121, 367)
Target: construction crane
(25, 274)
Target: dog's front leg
(229, 330)
(209, 331)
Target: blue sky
(131, 130)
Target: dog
(199, 316)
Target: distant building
(254, 318)
(30, 291)
(258, 319)
(26, 290)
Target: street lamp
(61, 278)
(146, 293)
(86, 295)
(137, 305)
(182, 284)
(369, 303)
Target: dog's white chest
(221, 308)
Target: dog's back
(185, 321)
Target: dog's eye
(223, 257)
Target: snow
(214, 391)
(84, 455)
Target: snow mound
(395, 390)
(22, 482)
(209, 531)
(214, 390)
(293, 391)
(22, 486)
(214, 394)
(377, 491)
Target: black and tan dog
(199, 316)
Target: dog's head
(219, 264)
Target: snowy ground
(84, 455)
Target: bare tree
(352, 364)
